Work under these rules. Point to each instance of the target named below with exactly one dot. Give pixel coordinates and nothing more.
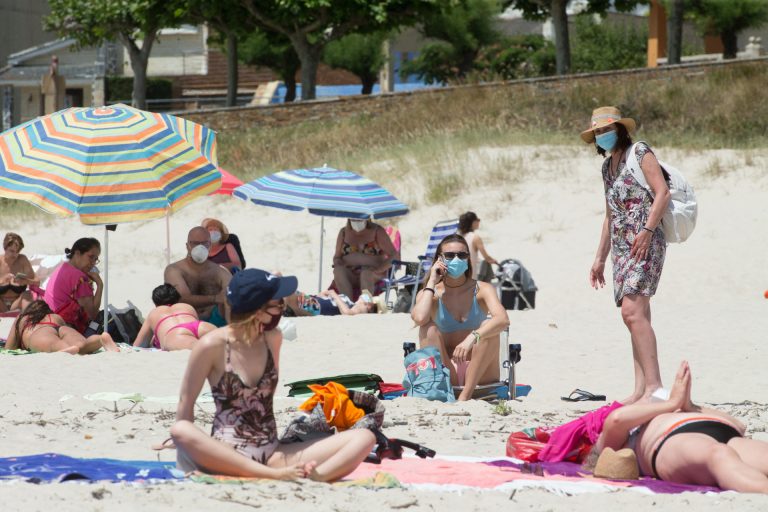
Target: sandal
(579, 395)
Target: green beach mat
(366, 382)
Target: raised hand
(680, 395)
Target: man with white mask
(201, 282)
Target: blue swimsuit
(446, 323)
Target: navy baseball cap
(252, 288)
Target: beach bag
(73, 313)
(127, 323)
(527, 444)
(679, 220)
(365, 382)
(427, 377)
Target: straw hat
(617, 465)
(603, 116)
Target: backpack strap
(636, 170)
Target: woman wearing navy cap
(241, 364)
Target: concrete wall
(21, 26)
(242, 118)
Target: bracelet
(427, 289)
(477, 337)
(648, 229)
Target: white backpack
(680, 218)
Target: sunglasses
(461, 255)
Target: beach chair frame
(440, 230)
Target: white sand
(709, 309)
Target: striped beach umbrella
(323, 191)
(108, 165)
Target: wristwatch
(477, 337)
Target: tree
(311, 24)
(676, 12)
(229, 19)
(557, 10)
(361, 54)
(91, 22)
(605, 46)
(274, 51)
(727, 18)
(459, 34)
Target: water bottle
(408, 347)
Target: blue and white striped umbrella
(323, 191)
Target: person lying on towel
(241, 363)
(330, 303)
(172, 325)
(678, 441)
(39, 329)
(461, 317)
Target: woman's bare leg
(693, 458)
(46, 340)
(483, 366)
(213, 456)
(74, 339)
(22, 301)
(636, 313)
(344, 279)
(752, 452)
(107, 342)
(336, 456)
(430, 336)
(368, 280)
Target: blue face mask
(456, 267)
(607, 140)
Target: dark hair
(82, 245)
(465, 222)
(12, 238)
(623, 139)
(447, 240)
(34, 313)
(165, 295)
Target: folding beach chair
(414, 270)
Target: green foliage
(717, 16)
(119, 88)
(461, 33)
(274, 51)
(360, 54)
(605, 45)
(516, 57)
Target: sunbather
(452, 312)
(15, 275)
(241, 364)
(678, 441)
(172, 325)
(330, 303)
(364, 254)
(39, 329)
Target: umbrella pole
(167, 237)
(320, 271)
(105, 300)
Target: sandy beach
(709, 309)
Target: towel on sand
(54, 467)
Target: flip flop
(579, 395)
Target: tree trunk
(730, 39)
(309, 56)
(675, 31)
(139, 58)
(290, 87)
(231, 70)
(562, 43)
(368, 83)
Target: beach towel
(569, 440)
(367, 382)
(55, 467)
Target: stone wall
(238, 118)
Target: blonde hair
(248, 323)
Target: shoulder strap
(634, 168)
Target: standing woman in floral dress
(632, 232)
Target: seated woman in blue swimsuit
(452, 311)
(678, 441)
(173, 325)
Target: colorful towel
(54, 467)
(453, 473)
(14, 352)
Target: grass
(419, 147)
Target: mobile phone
(20, 275)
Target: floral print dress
(630, 205)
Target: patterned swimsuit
(244, 416)
(630, 205)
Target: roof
(36, 73)
(17, 58)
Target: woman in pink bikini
(172, 325)
(39, 329)
(241, 362)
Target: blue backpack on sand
(427, 377)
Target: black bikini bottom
(720, 432)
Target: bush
(120, 88)
(516, 57)
(605, 46)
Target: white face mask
(199, 253)
(358, 225)
(215, 237)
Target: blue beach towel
(54, 467)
